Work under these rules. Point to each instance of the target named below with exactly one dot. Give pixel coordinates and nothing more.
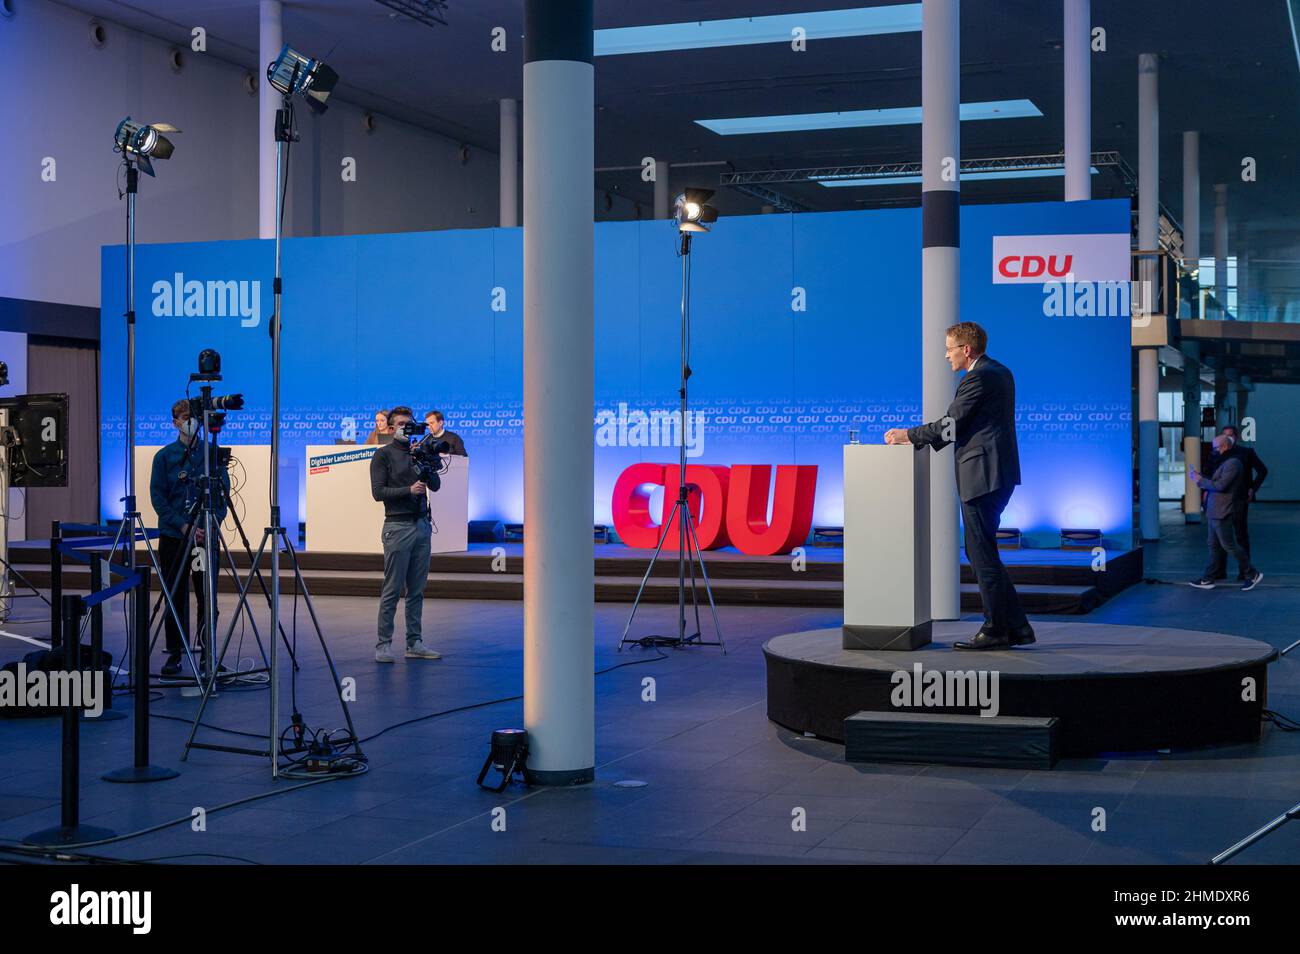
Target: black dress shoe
(985, 639)
(1022, 636)
(172, 667)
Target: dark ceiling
(1227, 70)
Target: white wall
(1277, 438)
(62, 98)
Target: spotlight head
(294, 73)
(692, 211)
(140, 143)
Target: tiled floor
(724, 784)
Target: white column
(1221, 248)
(268, 101)
(663, 198)
(940, 277)
(559, 580)
(1078, 100)
(1148, 224)
(509, 163)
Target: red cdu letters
(729, 506)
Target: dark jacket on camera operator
(174, 486)
(391, 475)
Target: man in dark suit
(981, 422)
(1220, 509)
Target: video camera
(426, 455)
(215, 404)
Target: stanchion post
(70, 831)
(56, 585)
(140, 770)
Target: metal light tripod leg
(708, 588)
(1291, 814)
(210, 686)
(641, 589)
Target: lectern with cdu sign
(886, 547)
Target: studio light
(692, 211)
(294, 73)
(507, 754)
(142, 142)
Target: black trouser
(1240, 529)
(1222, 540)
(171, 554)
(1240, 523)
(980, 518)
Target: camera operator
(174, 487)
(439, 432)
(407, 531)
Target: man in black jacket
(438, 431)
(407, 539)
(1224, 497)
(1253, 474)
(981, 422)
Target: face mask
(189, 426)
(399, 434)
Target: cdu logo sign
(211, 299)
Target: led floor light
(692, 214)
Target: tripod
(203, 515)
(688, 543)
(275, 536)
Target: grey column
(1243, 288)
(559, 580)
(1192, 210)
(1221, 249)
(509, 176)
(940, 277)
(1148, 365)
(663, 198)
(268, 101)
(1078, 100)
(1191, 426)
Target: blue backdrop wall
(804, 326)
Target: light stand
(275, 536)
(1291, 814)
(688, 543)
(132, 521)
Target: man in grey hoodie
(1220, 507)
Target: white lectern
(886, 547)
(343, 516)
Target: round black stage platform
(1114, 688)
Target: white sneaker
(383, 656)
(421, 651)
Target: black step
(951, 739)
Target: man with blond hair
(981, 422)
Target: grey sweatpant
(406, 565)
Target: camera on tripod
(214, 404)
(426, 455)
